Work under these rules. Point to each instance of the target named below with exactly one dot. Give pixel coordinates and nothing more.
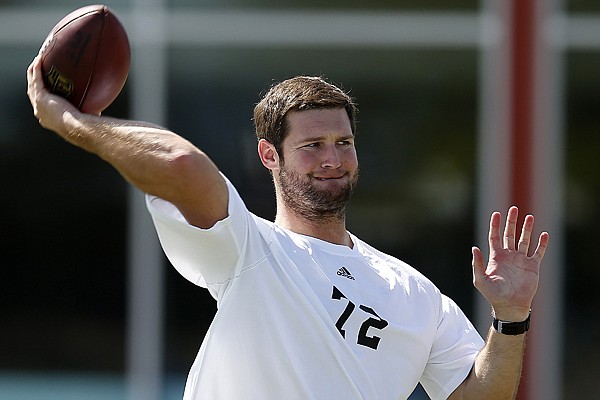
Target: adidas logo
(345, 273)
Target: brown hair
(297, 94)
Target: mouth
(330, 175)
(331, 178)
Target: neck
(330, 229)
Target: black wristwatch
(512, 328)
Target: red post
(522, 95)
(522, 44)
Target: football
(86, 57)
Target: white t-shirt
(300, 318)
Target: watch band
(512, 328)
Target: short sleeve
(205, 257)
(455, 347)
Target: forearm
(147, 156)
(497, 369)
(153, 159)
(509, 283)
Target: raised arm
(509, 283)
(155, 160)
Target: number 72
(363, 338)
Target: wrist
(511, 314)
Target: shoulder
(389, 264)
(207, 256)
(239, 220)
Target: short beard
(303, 198)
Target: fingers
(526, 235)
(34, 78)
(510, 229)
(541, 247)
(33, 69)
(494, 234)
(509, 237)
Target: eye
(345, 143)
(314, 144)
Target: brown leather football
(86, 57)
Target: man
(306, 310)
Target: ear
(268, 154)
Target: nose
(331, 157)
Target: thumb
(478, 267)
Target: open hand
(510, 280)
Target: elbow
(189, 167)
(170, 174)
(185, 173)
(183, 162)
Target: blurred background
(90, 307)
